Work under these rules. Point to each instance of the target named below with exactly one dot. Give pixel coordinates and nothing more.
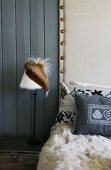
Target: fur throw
(65, 151)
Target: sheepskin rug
(65, 151)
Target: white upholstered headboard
(85, 41)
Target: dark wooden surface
(18, 155)
(27, 27)
(18, 161)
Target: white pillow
(67, 108)
(90, 89)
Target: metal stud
(62, 57)
(62, 19)
(61, 71)
(62, 43)
(62, 31)
(61, 6)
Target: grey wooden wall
(26, 27)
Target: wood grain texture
(17, 155)
(1, 74)
(18, 161)
(23, 52)
(9, 67)
(27, 27)
(51, 50)
(37, 50)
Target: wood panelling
(27, 27)
(23, 52)
(1, 78)
(37, 49)
(9, 67)
(51, 50)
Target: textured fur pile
(65, 151)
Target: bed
(80, 138)
(65, 150)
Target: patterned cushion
(90, 89)
(94, 115)
(67, 108)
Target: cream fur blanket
(65, 151)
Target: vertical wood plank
(51, 50)
(23, 52)
(37, 50)
(9, 67)
(28, 27)
(1, 78)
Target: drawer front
(18, 161)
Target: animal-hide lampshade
(36, 74)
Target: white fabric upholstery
(88, 41)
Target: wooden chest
(18, 156)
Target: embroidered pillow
(90, 89)
(67, 108)
(94, 115)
